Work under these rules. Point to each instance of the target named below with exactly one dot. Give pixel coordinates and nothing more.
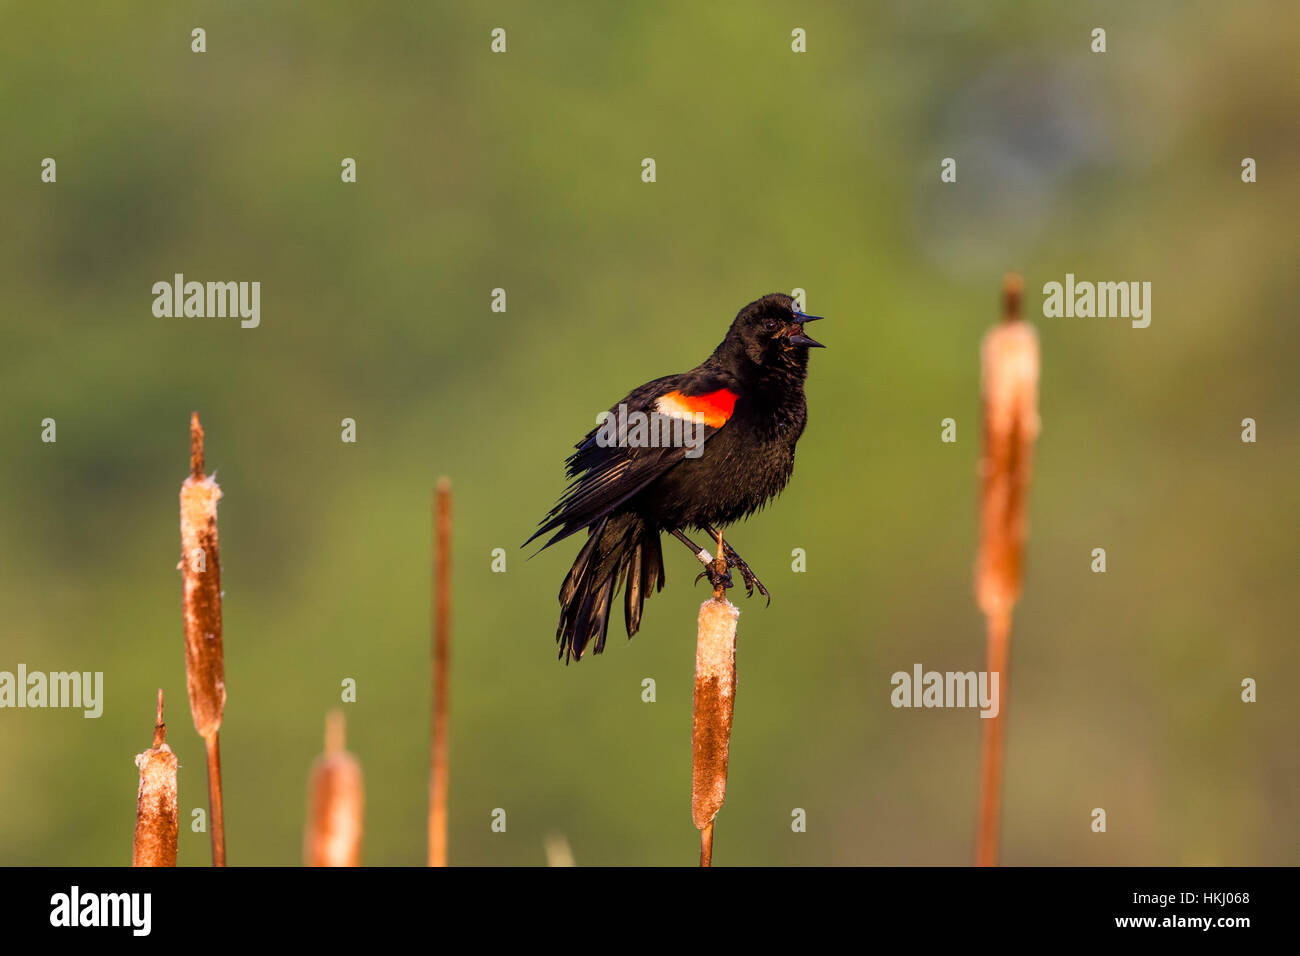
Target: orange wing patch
(712, 409)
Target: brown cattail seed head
(715, 699)
(335, 804)
(156, 812)
(205, 675)
(1009, 358)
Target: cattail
(205, 676)
(558, 852)
(335, 803)
(156, 814)
(715, 700)
(438, 771)
(1010, 416)
(1009, 359)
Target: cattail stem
(205, 676)
(159, 724)
(438, 771)
(706, 846)
(157, 814)
(1010, 370)
(218, 822)
(714, 705)
(720, 564)
(992, 745)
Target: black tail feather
(621, 550)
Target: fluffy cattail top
(156, 812)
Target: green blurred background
(775, 171)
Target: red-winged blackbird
(698, 450)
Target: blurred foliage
(775, 171)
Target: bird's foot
(751, 580)
(719, 581)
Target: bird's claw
(717, 580)
(752, 583)
(749, 577)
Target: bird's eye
(769, 324)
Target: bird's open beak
(795, 336)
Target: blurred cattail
(205, 675)
(558, 852)
(1010, 417)
(335, 803)
(438, 773)
(156, 814)
(715, 699)
(1009, 374)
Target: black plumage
(745, 403)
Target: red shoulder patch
(711, 408)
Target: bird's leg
(703, 556)
(734, 560)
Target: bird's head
(770, 332)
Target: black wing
(605, 474)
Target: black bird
(697, 450)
